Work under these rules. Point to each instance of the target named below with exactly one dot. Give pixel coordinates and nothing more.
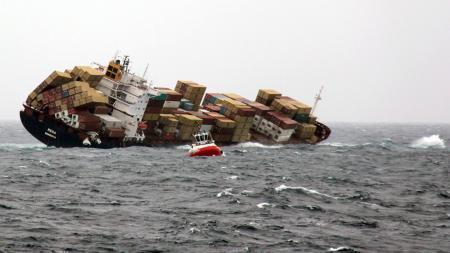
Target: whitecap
(285, 187)
(257, 145)
(342, 248)
(13, 146)
(232, 177)
(44, 162)
(432, 141)
(184, 147)
(264, 204)
(194, 230)
(246, 192)
(225, 192)
(338, 144)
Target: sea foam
(19, 146)
(257, 145)
(304, 189)
(432, 141)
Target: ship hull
(55, 133)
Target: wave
(304, 189)
(226, 192)
(342, 249)
(341, 144)
(337, 144)
(264, 204)
(184, 147)
(432, 141)
(257, 145)
(22, 146)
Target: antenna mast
(116, 54)
(317, 98)
(145, 71)
(126, 62)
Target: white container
(109, 121)
(171, 104)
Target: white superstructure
(128, 94)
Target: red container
(89, 126)
(168, 136)
(153, 110)
(212, 108)
(288, 124)
(101, 109)
(215, 115)
(155, 103)
(281, 120)
(174, 97)
(247, 112)
(114, 132)
(287, 110)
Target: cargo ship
(109, 106)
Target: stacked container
(266, 96)
(54, 80)
(305, 131)
(112, 126)
(277, 126)
(241, 114)
(172, 101)
(68, 96)
(168, 124)
(87, 74)
(191, 91)
(187, 126)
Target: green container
(302, 118)
(160, 97)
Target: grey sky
(385, 61)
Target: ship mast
(145, 71)
(317, 98)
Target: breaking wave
(345, 145)
(342, 249)
(22, 146)
(432, 141)
(303, 189)
(184, 147)
(338, 144)
(257, 145)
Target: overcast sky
(380, 61)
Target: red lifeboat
(203, 145)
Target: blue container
(301, 118)
(222, 110)
(187, 106)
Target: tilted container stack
(277, 126)
(172, 101)
(67, 96)
(187, 126)
(266, 96)
(168, 125)
(191, 91)
(87, 74)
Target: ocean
(368, 188)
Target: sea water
(368, 188)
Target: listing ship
(109, 107)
